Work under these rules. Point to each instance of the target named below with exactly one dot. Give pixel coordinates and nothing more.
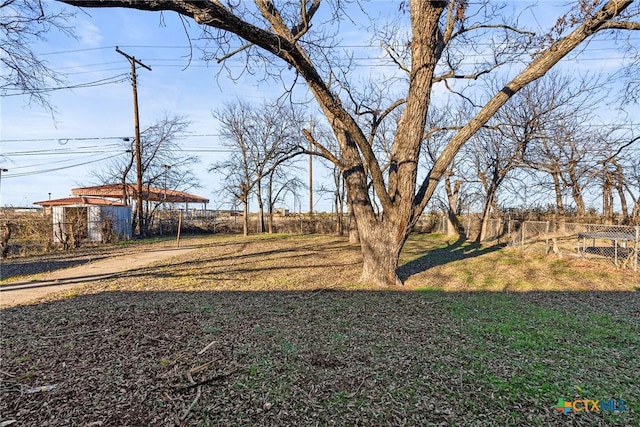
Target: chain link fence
(618, 244)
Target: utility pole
(310, 171)
(136, 122)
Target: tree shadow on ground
(456, 251)
(49, 263)
(229, 265)
(37, 266)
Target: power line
(48, 153)
(95, 71)
(74, 50)
(76, 150)
(22, 174)
(50, 162)
(65, 139)
(110, 80)
(357, 61)
(218, 135)
(368, 46)
(89, 65)
(193, 63)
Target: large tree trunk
(382, 237)
(354, 236)
(381, 248)
(557, 188)
(619, 184)
(338, 209)
(261, 224)
(486, 213)
(607, 198)
(454, 228)
(380, 262)
(576, 191)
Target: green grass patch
(521, 351)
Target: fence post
(636, 248)
(524, 224)
(546, 237)
(179, 227)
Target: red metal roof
(81, 200)
(116, 191)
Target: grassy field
(277, 331)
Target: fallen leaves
(298, 354)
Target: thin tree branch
(323, 151)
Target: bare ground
(277, 331)
(32, 266)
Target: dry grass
(286, 262)
(304, 344)
(442, 263)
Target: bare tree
(565, 146)
(438, 35)
(163, 164)
(632, 184)
(261, 139)
(337, 191)
(238, 181)
(441, 124)
(532, 119)
(23, 22)
(616, 150)
(628, 182)
(495, 158)
(339, 199)
(280, 181)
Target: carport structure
(127, 193)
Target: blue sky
(40, 149)
(88, 121)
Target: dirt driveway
(22, 292)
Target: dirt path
(22, 292)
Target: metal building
(88, 218)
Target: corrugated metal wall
(57, 214)
(120, 217)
